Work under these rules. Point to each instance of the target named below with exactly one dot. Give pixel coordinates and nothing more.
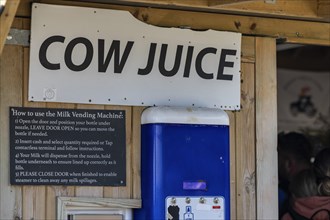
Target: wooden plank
(123, 192)
(232, 133)
(6, 20)
(92, 203)
(248, 56)
(248, 49)
(297, 31)
(11, 65)
(26, 103)
(34, 197)
(24, 8)
(292, 9)
(245, 146)
(136, 152)
(52, 192)
(228, 2)
(266, 129)
(323, 9)
(34, 202)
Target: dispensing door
(184, 164)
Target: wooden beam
(294, 31)
(228, 2)
(323, 9)
(266, 129)
(6, 19)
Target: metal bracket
(18, 37)
(270, 1)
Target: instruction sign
(123, 61)
(67, 147)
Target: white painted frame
(85, 205)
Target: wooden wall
(253, 154)
(39, 202)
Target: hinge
(270, 1)
(18, 37)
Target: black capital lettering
(199, 60)
(177, 61)
(187, 66)
(43, 52)
(119, 63)
(68, 54)
(151, 59)
(223, 63)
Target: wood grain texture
(6, 20)
(34, 202)
(52, 192)
(293, 30)
(323, 9)
(227, 2)
(290, 9)
(245, 146)
(248, 49)
(232, 144)
(34, 197)
(136, 152)
(266, 129)
(11, 65)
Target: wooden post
(266, 129)
(6, 19)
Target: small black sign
(67, 147)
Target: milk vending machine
(184, 164)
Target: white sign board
(87, 55)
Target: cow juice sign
(86, 55)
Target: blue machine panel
(184, 160)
